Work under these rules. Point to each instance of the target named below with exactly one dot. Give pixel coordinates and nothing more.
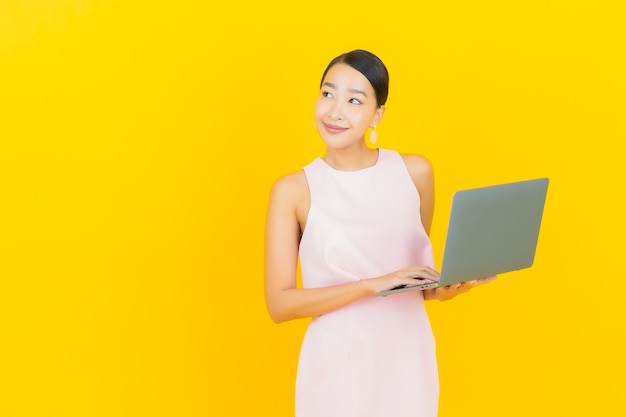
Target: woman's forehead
(345, 77)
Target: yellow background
(138, 142)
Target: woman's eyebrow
(352, 90)
(355, 91)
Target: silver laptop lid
(493, 230)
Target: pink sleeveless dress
(376, 356)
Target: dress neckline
(367, 168)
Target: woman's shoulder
(291, 185)
(292, 179)
(418, 165)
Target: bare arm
(286, 213)
(421, 172)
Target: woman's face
(346, 107)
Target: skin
(346, 107)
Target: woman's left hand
(450, 291)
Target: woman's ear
(378, 116)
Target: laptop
(492, 230)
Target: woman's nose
(336, 112)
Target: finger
(458, 288)
(431, 270)
(426, 279)
(425, 272)
(424, 276)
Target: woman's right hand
(406, 277)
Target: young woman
(358, 220)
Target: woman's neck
(351, 160)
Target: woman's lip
(334, 129)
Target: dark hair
(370, 66)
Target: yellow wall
(138, 142)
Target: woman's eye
(326, 94)
(355, 101)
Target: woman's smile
(334, 129)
